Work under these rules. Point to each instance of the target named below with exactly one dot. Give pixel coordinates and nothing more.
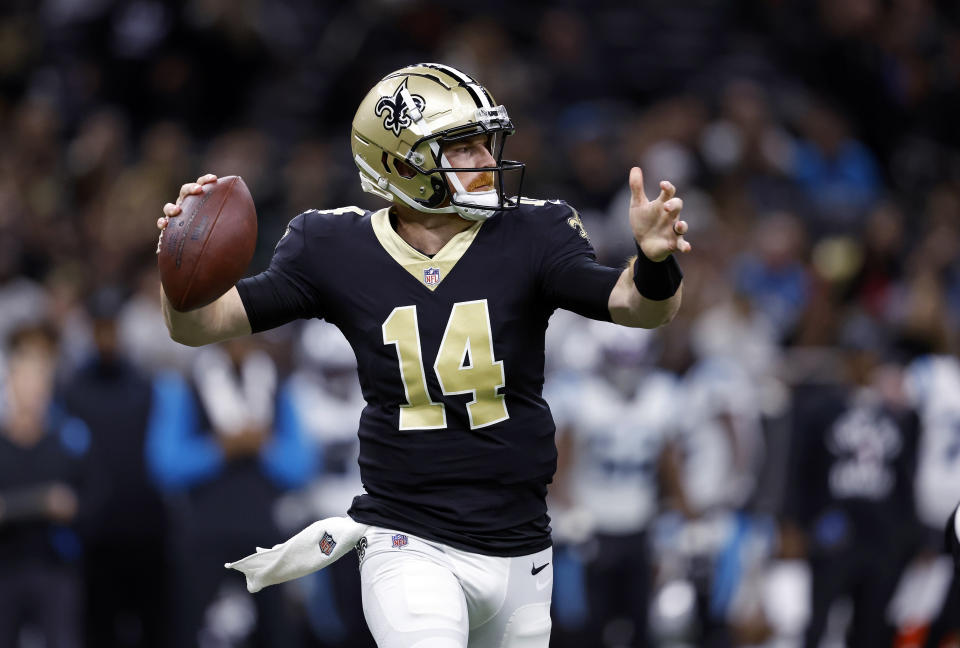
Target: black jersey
(853, 462)
(456, 441)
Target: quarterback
(446, 305)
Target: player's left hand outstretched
(656, 224)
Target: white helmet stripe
(482, 93)
(479, 92)
(414, 113)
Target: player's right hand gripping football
(170, 210)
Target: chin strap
(485, 203)
(374, 183)
(480, 200)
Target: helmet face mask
(459, 196)
(411, 116)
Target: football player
(850, 490)
(616, 430)
(444, 297)
(932, 382)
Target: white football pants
(424, 594)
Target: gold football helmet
(408, 117)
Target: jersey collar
(430, 272)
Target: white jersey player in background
(933, 387)
(326, 386)
(614, 428)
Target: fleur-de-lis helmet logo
(398, 117)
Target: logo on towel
(327, 544)
(361, 548)
(399, 541)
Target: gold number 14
(464, 365)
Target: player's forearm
(629, 308)
(224, 318)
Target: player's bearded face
(473, 152)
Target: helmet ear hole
(383, 161)
(439, 193)
(404, 169)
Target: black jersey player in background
(445, 298)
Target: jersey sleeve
(286, 290)
(570, 276)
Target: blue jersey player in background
(444, 297)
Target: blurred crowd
(772, 469)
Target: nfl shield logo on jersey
(399, 541)
(327, 543)
(431, 276)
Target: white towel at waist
(319, 545)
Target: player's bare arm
(222, 319)
(658, 232)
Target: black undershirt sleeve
(286, 290)
(583, 286)
(571, 278)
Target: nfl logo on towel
(399, 541)
(327, 543)
(431, 276)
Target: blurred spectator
(839, 174)
(851, 491)
(617, 459)
(773, 276)
(746, 137)
(327, 392)
(933, 384)
(223, 446)
(590, 166)
(746, 143)
(41, 482)
(143, 336)
(22, 300)
(882, 263)
(125, 518)
(721, 437)
(738, 331)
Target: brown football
(206, 249)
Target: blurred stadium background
(799, 449)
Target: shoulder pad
(551, 205)
(340, 215)
(555, 210)
(339, 211)
(315, 222)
